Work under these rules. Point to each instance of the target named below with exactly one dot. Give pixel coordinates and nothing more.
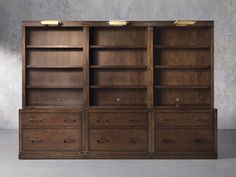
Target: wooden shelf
(118, 46)
(54, 67)
(53, 47)
(53, 87)
(119, 86)
(118, 66)
(183, 106)
(182, 86)
(182, 66)
(111, 106)
(182, 46)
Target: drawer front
(118, 119)
(176, 119)
(118, 140)
(51, 119)
(184, 140)
(51, 139)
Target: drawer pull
(69, 120)
(102, 120)
(118, 99)
(102, 141)
(169, 141)
(36, 140)
(135, 120)
(169, 120)
(36, 120)
(69, 141)
(200, 140)
(177, 101)
(134, 141)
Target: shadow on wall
(10, 89)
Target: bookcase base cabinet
(91, 90)
(55, 134)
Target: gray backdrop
(223, 12)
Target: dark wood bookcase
(94, 90)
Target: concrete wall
(223, 12)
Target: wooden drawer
(184, 140)
(51, 139)
(51, 119)
(118, 140)
(177, 119)
(123, 119)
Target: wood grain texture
(145, 90)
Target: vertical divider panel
(86, 90)
(150, 88)
(150, 80)
(23, 66)
(212, 66)
(20, 132)
(85, 133)
(86, 66)
(215, 131)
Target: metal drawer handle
(99, 120)
(36, 120)
(169, 141)
(177, 101)
(69, 120)
(118, 99)
(169, 120)
(69, 141)
(101, 141)
(134, 141)
(36, 140)
(135, 120)
(200, 140)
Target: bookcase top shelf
(54, 67)
(182, 46)
(53, 47)
(182, 66)
(118, 46)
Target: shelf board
(182, 86)
(182, 46)
(183, 106)
(118, 46)
(53, 47)
(182, 66)
(53, 87)
(54, 67)
(110, 106)
(118, 66)
(120, 86)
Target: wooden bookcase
(143, 90)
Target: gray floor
(10, 166)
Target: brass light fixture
(184, 22)
(117, 22)
(51, 22)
